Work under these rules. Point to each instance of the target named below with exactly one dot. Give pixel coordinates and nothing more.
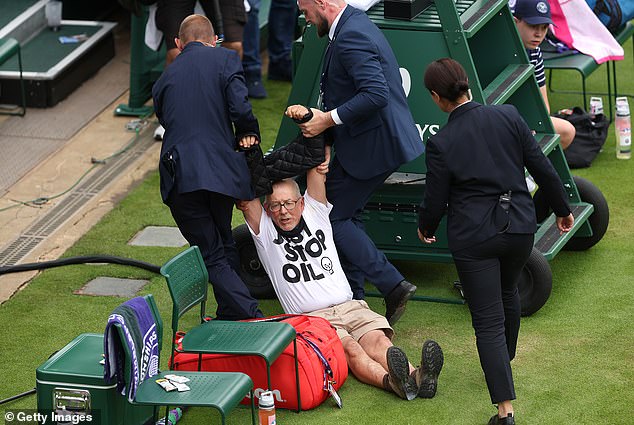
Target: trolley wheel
(535, 283)
(251, 270)
(598, 220)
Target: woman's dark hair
(447, 78)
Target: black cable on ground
(15, 397)
(80, 260)
(69, 261)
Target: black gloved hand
(305, 118)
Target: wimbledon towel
(139, 328)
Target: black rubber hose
(70, 261)
(15, 397)
(80, 260)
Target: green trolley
(481, 35)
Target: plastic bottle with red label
(266, 410)
(623, 127)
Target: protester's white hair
(279, 183)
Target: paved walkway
(56, 172)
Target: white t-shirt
(305, 271)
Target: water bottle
(172, 417)
(623, 129)
(266, 409)
(53, 13)
(596, 105)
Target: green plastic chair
(187, 280)
(220, 390)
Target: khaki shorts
(354, 318)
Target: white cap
(266, 399)
(622, 107)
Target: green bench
(8, 48)
(586, 65)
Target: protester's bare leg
(364, 368)
(375, 343)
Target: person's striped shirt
(536, 59)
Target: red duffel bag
(320, 357)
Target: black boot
(496, 420)
(396, 300)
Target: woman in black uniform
(475, 175)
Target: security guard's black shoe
(396, 300)
(426, 375)
(496, 420)
(398, 374)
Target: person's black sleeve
(542, 170)
(237, 95)
(437, 187)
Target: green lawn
(575, 360)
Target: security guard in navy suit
(373, 131)
(475, 175)
(201, 100)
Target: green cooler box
(72, 381)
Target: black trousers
(489, 272)
(360, 258)
(204, 219)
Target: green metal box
(71, 382)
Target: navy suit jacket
(479, 154)
(199, 99)
(362, 80)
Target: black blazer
(478, 155)
(201, 100)
(361, 78)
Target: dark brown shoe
(396, 300)
(431, 363)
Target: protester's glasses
(289, 205)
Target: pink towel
(589, 35)
(561, 30)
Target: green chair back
(187, 280)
